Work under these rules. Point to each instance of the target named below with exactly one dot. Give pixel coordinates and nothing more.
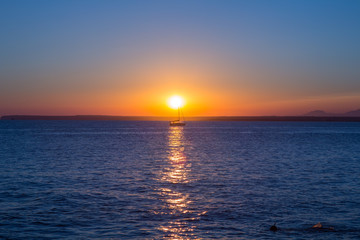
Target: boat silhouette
(180, 121)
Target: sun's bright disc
(175, 102)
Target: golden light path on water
(175, 198)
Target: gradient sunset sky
(224, 57)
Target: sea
(206, 180)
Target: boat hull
(177, 123)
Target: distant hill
(320, 113)
(355, 113)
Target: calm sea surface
(207, 180)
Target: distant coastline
(213, 118)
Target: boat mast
(182, 113)
(178, 113)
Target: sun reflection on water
(177, 209)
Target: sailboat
(179, 121)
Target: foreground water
(208, 180)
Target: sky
(226, 58)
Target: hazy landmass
(320, 113)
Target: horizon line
(193, 118)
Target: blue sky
(279, 51)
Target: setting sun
(175, 102)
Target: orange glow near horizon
(155, 102)
(145, 90)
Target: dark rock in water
(274, 228)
